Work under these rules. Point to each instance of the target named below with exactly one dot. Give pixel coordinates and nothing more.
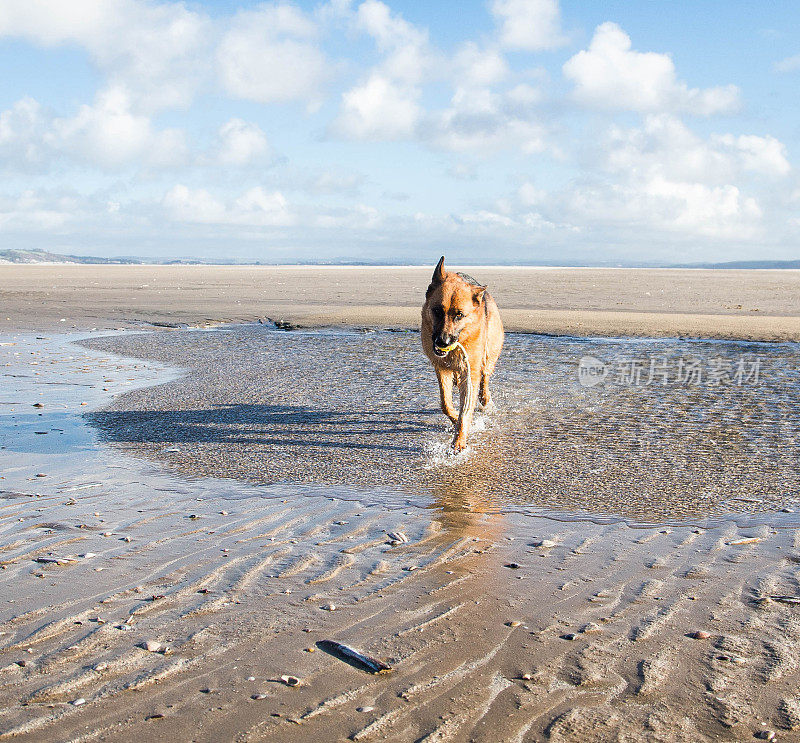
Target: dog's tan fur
(457, 310)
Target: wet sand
(360, 409)
(519, 613)
(737, 304)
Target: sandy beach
(741, 304)
(189, 517)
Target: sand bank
(743, 304)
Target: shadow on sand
(268, 425)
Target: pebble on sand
(744, 540)
(396, 537)
(513, 623)
(151, 646)
(329, 607)
(544, 544)
(55, 560)
(701, 635)
(78, 702)
(290, 680)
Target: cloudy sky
(497, 131)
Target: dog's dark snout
(443, 340)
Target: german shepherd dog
(458, 309)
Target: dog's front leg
(467, 408)
(445, 377)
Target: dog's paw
(459, 444)
(489, 408)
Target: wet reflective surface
(675, 429)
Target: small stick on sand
(349, 655)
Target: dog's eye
(458, 316)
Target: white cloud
(654, 207)
(405, 46)
(765, 155)
(661, 179)
(240, 143)
(254, 208)
(665, 147)
(529, 195)
(484, 217)
(162, 53)
(330, 182)
(271, 55)
(106, 135)
(476, 67)
(610, 75)
(484, 121)
(789, 64)
(722, 211)
(152, 49)
(385, 106)
(462, 171)
(358, 217)
(379, 109)
(47, 211)
(647, 212)
(657, 205)
(109, 135)
(532, 25)
(22, 130)
(524, 95)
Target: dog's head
(453, 305)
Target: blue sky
(498, 132)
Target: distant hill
(42, 256)
(742, 264)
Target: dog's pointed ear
(477, 294)
(437, 279)
(438, 272)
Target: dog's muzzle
(443, 346)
